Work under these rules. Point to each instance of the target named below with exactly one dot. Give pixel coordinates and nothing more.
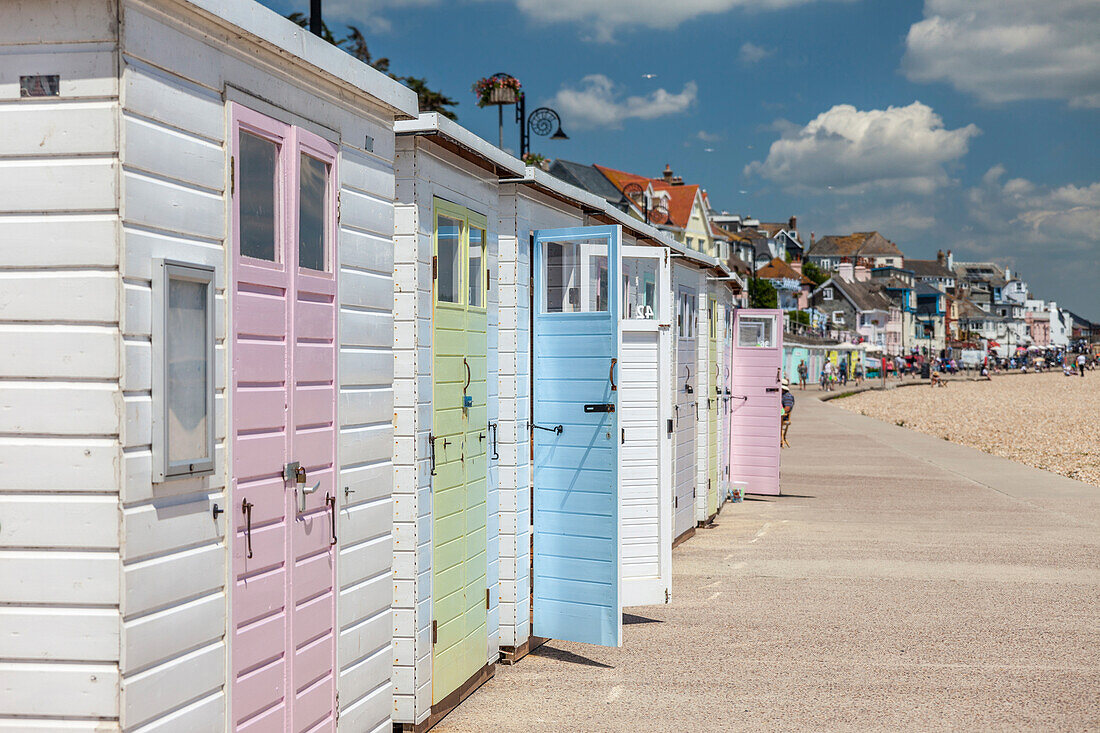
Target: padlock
(299, 475)
(467, 401)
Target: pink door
(284, 412)
(754, 405)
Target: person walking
(1081, 364)
(787, 405)
(803, 374)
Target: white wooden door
(685, 386)
(645, 475)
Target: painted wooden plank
(143, 247)
(370, 712)
(57, 21)
(59, 240)
(366, 213)
(163, 635)
(60, 577)
(164, 580)
(158, 149)
(58, 184)
(58, 127)
(80, 296)
(171, 100)
(71, 522)
(366, 173)
(148, 694)
(81, 690)
(58, 464)
(167, 524)
(44, 633)
(35, 407)
(207, 713)
(172, 206)
(85, 70)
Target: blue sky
(972, 125)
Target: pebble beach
(1047, 421)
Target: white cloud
(899, 149)
(1066, 215)
(1008, 50)
(750, 53)
(709, 137)
(597, 101)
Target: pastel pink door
(754, 405)
(283, 406)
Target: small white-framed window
(838, 318)
(757, 332)
(827, 294)
(183, 369)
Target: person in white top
(1081, 364)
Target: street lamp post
(315, 23)
(542, 121)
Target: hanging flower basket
(496, 90)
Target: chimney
(941, 258)
(862, 272)
(1008, 274)
(667, 175)
(950, 260)
(796, 264)
(792, 224)
(846, 270)
(677, 180)
(811, 238)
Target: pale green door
(459, 416)
(713, 405)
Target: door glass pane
(756, 332)
(562, 277)
(597, 284)
(640, 288)
(258, 163)
(312, 229)
(449, 260)
(477, 274)
(186, 352)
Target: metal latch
(600, 407)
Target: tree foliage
(815, 273)
(356, 44)
(762, 294)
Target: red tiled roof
(778, 268)
(681, 198)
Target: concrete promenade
(904, 583)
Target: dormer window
(827, 294)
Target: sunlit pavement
(902, 583)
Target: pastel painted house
(197, 244)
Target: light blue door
(577, 560)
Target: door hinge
(676, 501)
(337, 711)
(488, 280)
(339, 200)
(666, 595)
(486, 599)
(435, 270)
(435, 631)
(232, 175)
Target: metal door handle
(467, 365)
(493, 429)
(557, 429)
(611, 374)
(330, 501)
(302, 491)
(431, 443)
(246, 507)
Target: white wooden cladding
(117, 618)
(60, 398)
(424, 172)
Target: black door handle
(467, 365)
(600, 407)
(493, 428)
(431, 442)
(246, 507)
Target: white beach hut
(195, 527)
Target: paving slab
(902, 583)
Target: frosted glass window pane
(449, 260)
(312, 204)
(477, 274)
(186, 350)
(258, 188)
(754, 332)
(640, 288)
